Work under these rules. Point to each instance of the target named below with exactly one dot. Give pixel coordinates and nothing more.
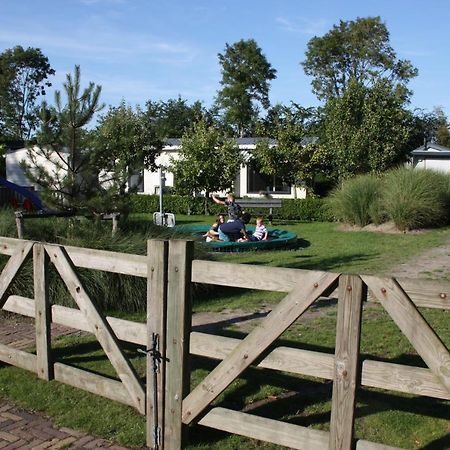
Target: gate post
(352, 292)
(42, 312)
(178, 334)
(157, 259)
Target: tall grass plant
(357, 200)
(416, 198)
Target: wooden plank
(8, 245)
(91, 382)
(250, 276)
(124, 263)
(279, 319)
(100, 327)
(42, 313)
(125, 330)
(367, 445)
(18, 358)
(348, 331)
(158, 254)
(412, 324)
(263, 429)
(286, 359)
(12, 267)
(177, 338)
(396, 377)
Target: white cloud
(102, 45)
(303, 25)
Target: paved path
(20, 429)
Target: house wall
(15, 173)
(151, 179)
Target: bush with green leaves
(357, 200)
(416, 198)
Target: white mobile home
(431, 156)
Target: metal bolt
(176, 269)
(383, 290)
(349, 288)
(152, 269)
(246, 356)
(316, 285)
(443, 295)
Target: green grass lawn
(395, 419)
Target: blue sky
(147, 49)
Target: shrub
(310, 209)
(416, 198)
(357, 200)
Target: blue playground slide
(30, 195)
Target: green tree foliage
(296, 159)
(63, 162)
(246, 74)
(367, 129)
(354, 50)
(430, 127)
(23, 78)
(124, 143)
(174, 116)
(207, 162)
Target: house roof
(431, 150)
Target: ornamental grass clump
(415, 198)
(357, 200)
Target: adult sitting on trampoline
(234, 230)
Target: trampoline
(277, 239)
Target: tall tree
(125, 141)
(207, 162)
(246, 74)
(367, 129)
(63, 162)
(174, 116)
(354, 50)
(23, 78)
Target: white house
(431, 156)
(249, 182)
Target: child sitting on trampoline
(260, 233)
(213, 233)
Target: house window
(258, 182)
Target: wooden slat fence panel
(99, 325)
(412, 324)
(281, 317)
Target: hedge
(308, 210)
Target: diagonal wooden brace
(12, 267)
(99, 326)
(412, 324)
(281, 317)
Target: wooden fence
(165, 398)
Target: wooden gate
(400, 298)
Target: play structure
(22, 197)
(278, 239)
(160, 217)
